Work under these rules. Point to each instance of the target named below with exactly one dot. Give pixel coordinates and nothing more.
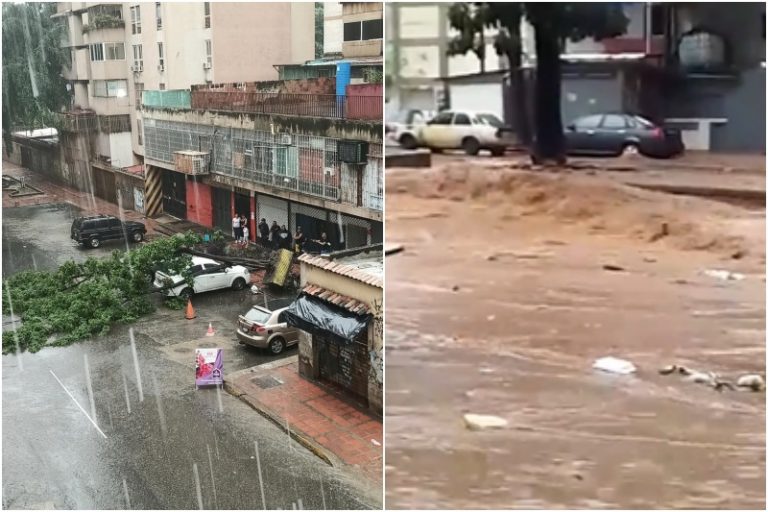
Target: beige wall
(249, 39)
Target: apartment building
(352, 34)
(302, 151)
(120, 49)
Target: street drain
(266, 382)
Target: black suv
(91, 231)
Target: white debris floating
(484, 422)
(754, 382)
(614, 365)
(725, 275)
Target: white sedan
(208, 275)
(470, 131)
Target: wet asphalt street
(155, 442)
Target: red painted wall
(364, 101)
(199, 205)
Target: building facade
(340, 317)
(118, 50)
(292, 151)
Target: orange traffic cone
(190, 311)
(210, 332)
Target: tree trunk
(519, 104)
(482, 50)
(550, 142)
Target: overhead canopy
(316, 316)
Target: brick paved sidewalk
(331, 428)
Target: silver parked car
(262, 328)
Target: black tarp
(316, 316)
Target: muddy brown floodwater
(500, 304)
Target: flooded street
(500, 304)
(116, 423)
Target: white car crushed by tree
(207, 275)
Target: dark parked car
(91, 231)
(621, 134)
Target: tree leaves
(32, 49)
(80, 300)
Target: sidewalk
(56, 193)
(327, 426)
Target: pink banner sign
(209, 367)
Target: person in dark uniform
(274, 235)
(264, 232)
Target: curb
(299, 436)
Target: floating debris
(484, 422)
(614, 365)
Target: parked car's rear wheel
(94, 242)
(186, 293)
(277, 345)
(498, 151)
(470, 146)
(408, 141)
(238, 284)
(630, 149)
(137, 236)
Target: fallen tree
(80, 300)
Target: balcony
(368, 108)
(103, 21)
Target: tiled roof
(342, 269)
(348, 303)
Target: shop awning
(316, 316)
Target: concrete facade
(351, 288)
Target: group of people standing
(240, 229)
(278, 237)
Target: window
(117, 88)
(160, 56)
(207, 16)
(107, 51)
(491, 120)
(461, 119)
(614, 121)
(208, 53)
(159, 15)
(110, 88)
(373, 29)
(114, 51)
(114, 223)
(136, 19)
(97, 52)
(162, 87)
(139, 89)
(352, 31)
(139, 132)
(588, 122)
(442, 118)
(138, 58)
(363, 30)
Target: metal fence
(177, 98)
(299, 163)
(369, 108)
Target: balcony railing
(369, 108)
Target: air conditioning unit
(286, 139)
(206, 65)
(137, 69)
(352, 151)
(330, 171)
